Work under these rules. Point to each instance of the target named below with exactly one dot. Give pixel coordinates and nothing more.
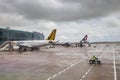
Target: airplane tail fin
(52, 35)
(85, 38)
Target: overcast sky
(99, 19)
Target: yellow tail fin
(52, 35)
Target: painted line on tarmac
(73, 64)
(86, 73)
(115, 75)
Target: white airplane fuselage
(33, 43)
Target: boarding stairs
(6, 46)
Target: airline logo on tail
(85, 38)
(52, 35)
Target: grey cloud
(60, 10)
(36, 10)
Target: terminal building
(16, 35)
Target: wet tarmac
(61, 63)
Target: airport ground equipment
(94, 61)
(8, 45)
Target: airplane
(36, 44)
(75, 44)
